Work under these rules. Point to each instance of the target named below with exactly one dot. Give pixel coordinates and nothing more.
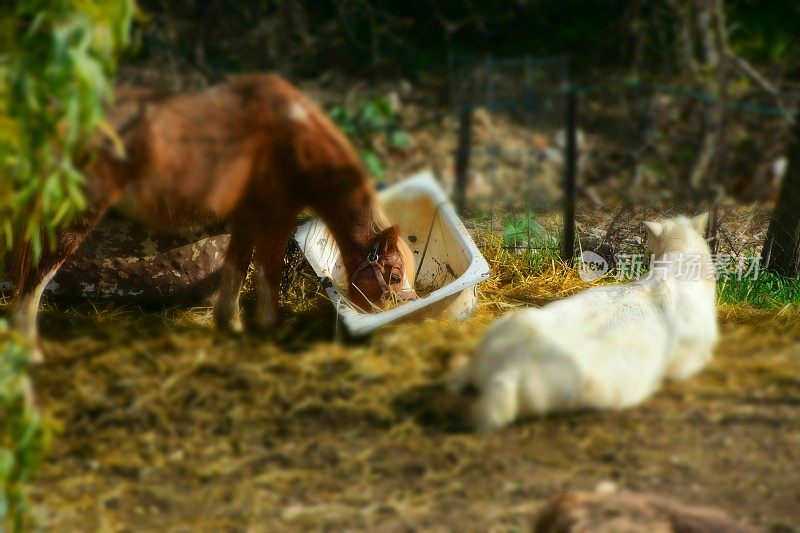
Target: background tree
(56, 70)
(781, 251)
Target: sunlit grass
(767, 291)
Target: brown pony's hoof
(233, 326)
(227, 320)
(264, 323)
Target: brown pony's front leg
(270, 250)
(234, 270)
(31, 280)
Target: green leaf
(400, 139)
(373, 164)
(74, 191)
(526, 229)
(3, 506)
(370, 112)
(384, 106)
(36, 243)
(337, 112)
(373, 116)
(6, 463)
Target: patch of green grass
(526, 232)
(769, 290)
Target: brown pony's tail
(19, 262)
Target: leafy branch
(371, 120)
(56, 72)
(55, 83)
(24, 434)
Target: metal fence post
(570, 170)
(462, 157)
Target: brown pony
(252, 152)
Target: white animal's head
(677, 235)
(680, 237)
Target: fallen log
(123, 262)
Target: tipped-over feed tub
(451, 266)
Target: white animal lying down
(608, 347)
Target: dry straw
(167, 423)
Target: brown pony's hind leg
(234, 270)
(30, 281)
(270, 251)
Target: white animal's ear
(699, 223)
(655, 229)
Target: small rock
(575, 512)
(606, 487)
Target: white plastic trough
(451, 269)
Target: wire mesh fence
(644, 151)
(514, 109)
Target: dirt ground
(169, 426)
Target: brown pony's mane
(378, 219)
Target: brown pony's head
(386, 274)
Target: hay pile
(168, 425)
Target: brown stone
(627, 512)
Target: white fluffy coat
(609, 347)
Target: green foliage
(526, 232)
(765, 31)
(370, 123)
(55, 81)
(24, 434)
(765, 290)
(56, 69)
(604, 39)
